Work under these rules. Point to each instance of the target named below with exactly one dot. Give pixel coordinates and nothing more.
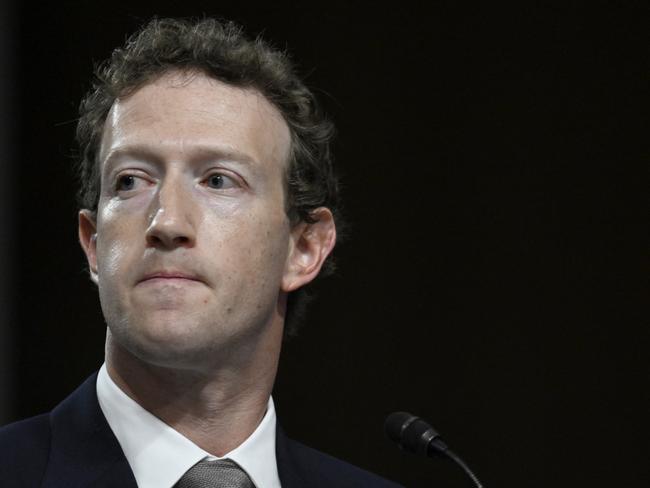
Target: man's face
(193, 245)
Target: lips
(170, 276)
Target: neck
(216, 408)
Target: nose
(173, 219)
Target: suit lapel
(288, 468)
(84, 450)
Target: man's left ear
(310, 245)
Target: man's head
(202, 155)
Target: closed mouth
(170, 276)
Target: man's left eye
(220, 182)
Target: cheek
(258, 248)
(113, 248)
(109, 257)
(270, 247)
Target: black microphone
(412, 434)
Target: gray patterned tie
(222, 473)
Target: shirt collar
(159, 455)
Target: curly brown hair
(219, 49)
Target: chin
(172, 342)
(168, 354)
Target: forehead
(182, 112)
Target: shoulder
(24, 450)
(315, 468)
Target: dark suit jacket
(73, 446)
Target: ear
(88, 240)
(309, 247)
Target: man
(209, 203)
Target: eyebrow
(198, 154)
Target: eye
(220, 181)
(125, 183)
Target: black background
(493, 280)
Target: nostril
(164, 241)
(170, 233)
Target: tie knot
(222, 473)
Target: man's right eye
(125, 183)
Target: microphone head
(411, 433)
(395, 423)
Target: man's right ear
(88, 240)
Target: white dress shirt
(159, 455)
